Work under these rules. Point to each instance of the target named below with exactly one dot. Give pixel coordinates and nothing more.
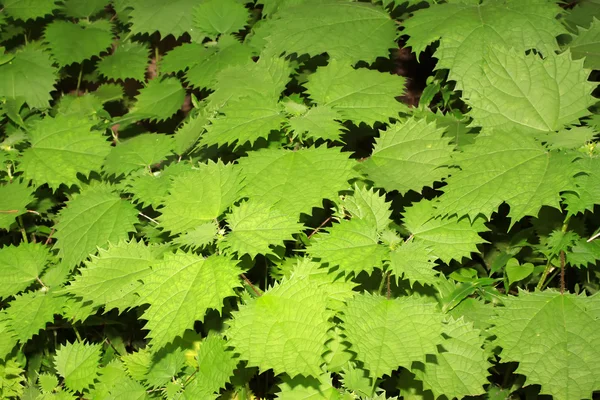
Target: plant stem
(22, 229)
(245, 278)
(389, 290)
(77, 335)
(562, 271)
(79, 80)
(156, 57)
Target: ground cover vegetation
(240, 200)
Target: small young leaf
(78, 364)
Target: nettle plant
(226, 199)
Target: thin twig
(562, 271)
(319, 227)
(245, 278)
(149, 219)
(40, 282)
(49, 239)
(596, 236)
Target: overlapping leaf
(14, 197)
(181, 289)
(29, 76)
(20, 266)
(293, 332)
(506, 167)
(408, 156)
(352, 245)
(389, 333)
(256, 226)
(129, 60)
(448, 238)
(552, 336)
(159, 100)
(92, 218)
(168, 18)
(111, 278)
(349, 31)
(61, 148)
(78, 364)
(141, 151)
(460, 367)
(296, 181)
(358, 95)
(199, 196)
(465, 31)
(92, 39)
(525, 92)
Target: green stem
(384, 278)
(156, 57)
(77, 335)
(79, 80)
(564, 228)
(22, 229)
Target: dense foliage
(206, 199)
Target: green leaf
(358, 95)
(92, 39)
(353, 245)
(584, 253)
(181, 289)
(552, 336)
(588, 189)
(408, 156)
(220, 17)
(336, 27)
(319, 122)
(129, 60)
(448, 238)
(111, 278)
(92, 219)
(14, 198)
(168, 18)
(516, 272)
(460, 365)
(293, 330)
(151, 189)
(528, 93)
(256, 226)
(368, 205)
(244, 120)
(216, 364)
(573, 138)
(407, 329)
(78, 364)
(199, 196)
(141, 151)
(83, 8)
(8, 339)
(181, 58)
(28, 9)
(506, 167)
(29, 313)
(587, 44)
(20, 266)
(208, 63)
(413, 261)
(274, 176)
(301, 388)
(466, 31)
(159, 100)
(198, 237)
(29, 76)
(61, 148)
(188, 134)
